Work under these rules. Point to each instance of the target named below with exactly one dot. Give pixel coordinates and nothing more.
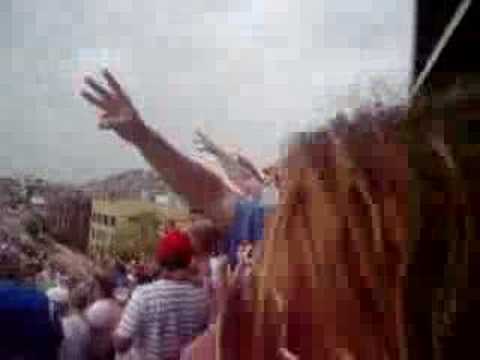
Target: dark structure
(460, 55)
(68, 218)
(437, 288)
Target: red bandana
(175, 244)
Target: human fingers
(99, 89)
(115, 86)
(94, 100)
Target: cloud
(248, 71)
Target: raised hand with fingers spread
(118, 112)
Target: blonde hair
(333, 275)
(327, 246)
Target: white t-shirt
(216, 265)
(76, 340)
(58, 295)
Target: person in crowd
(122, 295)
(120, 274)
(245, 261)
(122, 283)
(59, 294)
(77, 338)
(223, 280)
(132, 280)
(204, 236)
(205, 239)
(171, 225)
(103, 317)
(46, 278)
(164, 316)
(30, 327)
(141, 273)
(333, 260)
(196, 214)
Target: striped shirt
(163, 317)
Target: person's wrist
(142, 136)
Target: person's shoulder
(194, 291)
(22, 294)
(98, 307)
(147, 290)
(160, 285)
(175, 288)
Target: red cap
(175, 244)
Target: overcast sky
(247, 72)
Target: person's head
(79, 297)
(120, 267)
(170, 225)
(59, 297)
(360, 194)
(10, 262)
(336, 248)
(204, 236)
(174, 251)
(104, 284)
(197, 214)
(64, 281)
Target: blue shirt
(247, 225)
(29, 327)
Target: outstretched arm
(239, 170)
(202, 188)
(228, 162)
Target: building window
(113, 221)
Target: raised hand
(117, 110)
(204, 144)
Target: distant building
(10, 191)
(128, 227)
(169, 200)
(117, 225)
(68, 218)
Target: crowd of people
(361, 246)
(122, 312)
